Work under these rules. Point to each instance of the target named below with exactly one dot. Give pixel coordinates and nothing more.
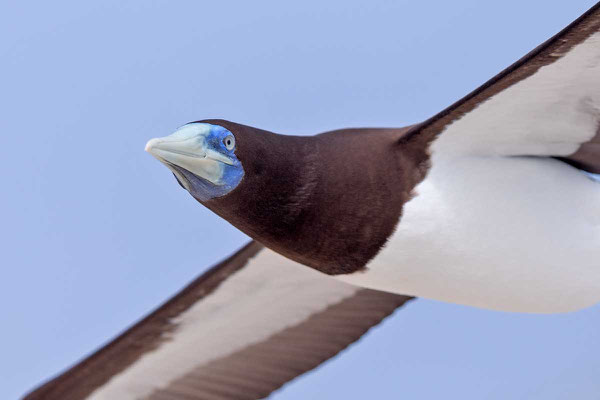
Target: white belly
(513, 234)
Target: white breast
(513, 234)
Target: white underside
(492, 228)
(518, 234)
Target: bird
(494, 202)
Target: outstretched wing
(241, 330)
(545, 104)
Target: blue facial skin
(231, 175)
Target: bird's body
(488, 203)
(491, 232)
(497, 222)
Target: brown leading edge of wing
(252, 371)
(588, 155)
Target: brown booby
(488, 203)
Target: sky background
(96, 233)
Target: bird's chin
(199, 187)
(202, 189)
(179, 175)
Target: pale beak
(186, 148)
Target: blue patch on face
(222, 141)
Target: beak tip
(150, 145)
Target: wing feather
(241, 330)
(545, 104)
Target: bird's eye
(229, 142)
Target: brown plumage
(328, 201)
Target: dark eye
(229, 142)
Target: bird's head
(328, 201)
(202, 157)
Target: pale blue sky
(97, 233)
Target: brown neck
(329, 201)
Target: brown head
(328, 201)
